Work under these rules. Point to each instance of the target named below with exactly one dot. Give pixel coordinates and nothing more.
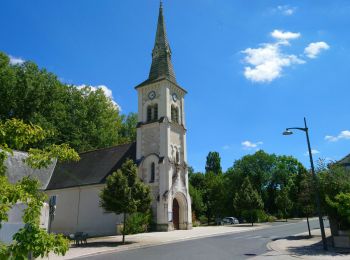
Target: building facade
(159, 151)
(161, 138)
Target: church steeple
(161, 55)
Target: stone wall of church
(150, 137)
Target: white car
(230, 220)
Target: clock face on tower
(174, 96)
(151, 95)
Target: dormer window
(152, 113)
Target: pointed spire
(161, 54)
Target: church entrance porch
(180, 212)
(176, 222)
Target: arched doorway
(176, 214)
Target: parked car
(230, 220)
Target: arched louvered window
(174, 114)
(152, 113)
(153, 172)
(155, 112)
(149, 113)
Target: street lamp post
(315, 179)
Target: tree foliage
(268, 174)
(83, 117)
(283, 202)
(213, 163)
(125, 193)
(248, 202)
(340, 206)
(15, 134)
(306, 195)
(334, 182)
(198, 206)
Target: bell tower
(161, 138)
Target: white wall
(78, 210)
(15, 222)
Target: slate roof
(345, 161)
(162, 66)
(16, 169)
(92, 168)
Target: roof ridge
(106, 148)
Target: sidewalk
(113, 243)
(302, 247)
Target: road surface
(233, 246)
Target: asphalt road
(234, 246)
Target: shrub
(279, 214)
(271, 218)
(203, 219)
(262, 216)
(138, 223)
(250, 216)
(196, 223)
(341, 209)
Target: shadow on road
(292, 238)
(315, 249)
(103, 244)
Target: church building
(160, 153)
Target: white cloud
(267, 62)
(313, 151)
(250, 145)
(16, 60)
(107, 92)
(284, 36)
(314, 49)
(343, 135)
(286, 10)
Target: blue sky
(251, 68)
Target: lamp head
(287, 132)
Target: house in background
(16, 169)
(345, 162)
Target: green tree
(31, 239)
(340, 205)
(83, 117)
(213, 195)
(257, 167)
(198, 206)
(125, 193)
(127, 133)
(283, 202)
(306, 198)
(267, 173)
(248, 202)
(333, 180)
(213, 163)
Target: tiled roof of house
(92, 168)
(345, 160)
